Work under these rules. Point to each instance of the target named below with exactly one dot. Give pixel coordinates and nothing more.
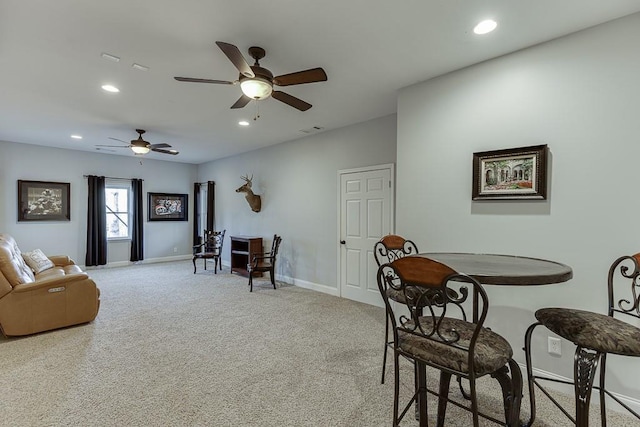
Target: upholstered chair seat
(491, 352)
(599, 332)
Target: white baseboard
(568, 389)
(309, 285)
(146, 261)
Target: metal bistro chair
(211, 248)
(388, 249)
(265, 262)
(454, 346)
(595, 336)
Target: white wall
(36, 163)
(297, 181)
(579, 95)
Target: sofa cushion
(12, 265)
(37, 260)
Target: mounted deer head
(253, 199)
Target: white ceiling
(51, 67)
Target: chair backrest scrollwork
(392, 247)
(624, 279)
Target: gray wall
(36, 163)
(298, 182)
(579, 95)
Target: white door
(366, 214)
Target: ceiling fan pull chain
(257, 116)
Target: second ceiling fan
(257, 82)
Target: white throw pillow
(37, 260)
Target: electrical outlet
(554, 346)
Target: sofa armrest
(50, 282)
(61, 260)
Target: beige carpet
(170, 348)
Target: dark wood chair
(595, 335)
(444, 339)
(265, 262)
(211, 248)
(388, 249)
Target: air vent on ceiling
(312, 130)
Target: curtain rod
(113, 177)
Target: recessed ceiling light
(110, 88)
(139, 67)
(110, 57)
(485, 26)
(76, 136)
(243, 123)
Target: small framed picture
(167, 207)
(511, 174)
(43, 201)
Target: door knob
(342, 242)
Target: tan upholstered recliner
(59, 296)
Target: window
(118, 211)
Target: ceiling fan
(257, 82)
(140, 146)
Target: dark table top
(490, 269)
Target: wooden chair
(211, 248)
(388, 249)
(452, 345)
(595, 335)
(265, 262)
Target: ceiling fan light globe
(256, 88)
(140, 150)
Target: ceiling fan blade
(113, 146)
(236, 58)
(158, 150)
(163, 145)
(116, 139)
(189, 79)
(291, 100)
(307, 76)
(241, 102)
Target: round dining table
(512, 270)
(491, 269)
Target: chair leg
(422, 393)
(273, 278)
(585, 365)
(205, 263)
(194, 265)
(443, 394)
(396, 388)
(386, 340)
(215, 265)
(474, 401)
(250, 282)
(530, 378)
(603, 406)
(220, 263)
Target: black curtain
(211, 204)
(137, 223)
(196, 212)
(96, 222)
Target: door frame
(392, 208)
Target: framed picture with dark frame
(167, 206)
(43, 201)
(511, 174)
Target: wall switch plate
(175, 250)
(554, 346)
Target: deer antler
(247, 179)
